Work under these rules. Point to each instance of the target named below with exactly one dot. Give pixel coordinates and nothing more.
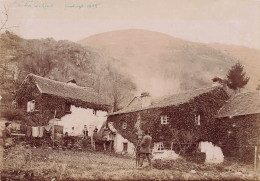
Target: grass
(45, 164)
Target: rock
(193, 171)
(205, 174)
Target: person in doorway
(85, 132)
(66, 139)
(72, 136)
(145, 150)
(95, 133)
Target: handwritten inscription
(34, 4)
(81, 6)
(48, 4)
(74, 6)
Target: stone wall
(237, 136)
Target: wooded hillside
(62, 61)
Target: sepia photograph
(129, 90)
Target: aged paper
(121, 53)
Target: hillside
(162, 64)
(249, 57)
(62, 61)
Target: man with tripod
(145, 150)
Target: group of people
(72, 133)
(143, 147)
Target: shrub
(13, 114)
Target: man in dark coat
(145, 150)
(85, 132)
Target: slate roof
(52, 87)
(241, 104)
(175, 99)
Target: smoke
(157, 86)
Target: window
(124, 126)
(31, 106)
(125, 147)
(164, 119)
(94, 112)
(158, 147)
(197, 120)
(110, 124)
(67, 108)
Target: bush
(13, 114)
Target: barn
(238, 126)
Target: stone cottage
(43, 99)
(189, 113)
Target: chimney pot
(146, 99)
(219, 82)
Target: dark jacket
(146, 144)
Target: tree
(4, 19)
(236, 77)
(118, 94)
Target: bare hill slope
(162, 64)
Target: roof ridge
(156, 103)
(184, 92)
(64, 83)
(248, 92)
(241, 104)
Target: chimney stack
(146, 99)
(219, 82)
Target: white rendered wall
(80, 117)
(119, 142)
(214, 153)
(118, 145)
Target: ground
(23, 163)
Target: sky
(207, 21)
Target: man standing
(6, 134)
(145, 150)
(85, 132)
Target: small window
(31, 106)
(110, 124)
(158, 147)
(124, 125)
(197, 120)
(164, 119)
(125, 145)
(67, 108)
